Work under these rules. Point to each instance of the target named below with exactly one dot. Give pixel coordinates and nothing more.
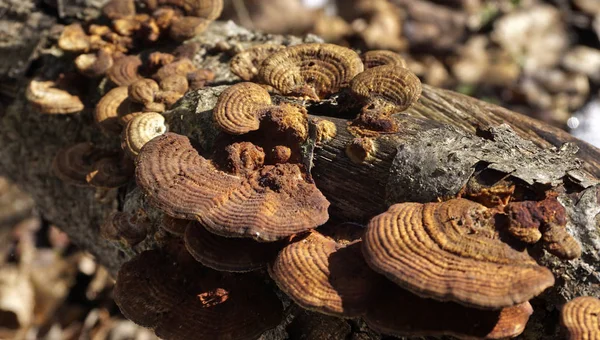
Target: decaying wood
(444, 137)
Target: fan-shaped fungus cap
(449, 251)
(176, 83)
(181, 67)
(388, 87)
(241, 107)
(174, 226)
(143, 91)
(116, 9)
(184, 28)
(527, 217)
(110, 172)
(267, 204)
(132, 228)
(287, 121)
(197, 79)
(113, 105)
(72, 164)
(227, 254)
(180, 299)
(246, 63)
(141, 129)
(313, 70)
(207, 9)
(324, 276)
(382, 57)
(45, 97)
(74, 39)
(398, 312)
(581, 317)
(125, 70)
(94, 64)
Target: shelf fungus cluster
(581, 318)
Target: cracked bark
(445, 137)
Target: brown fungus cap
(322, 275)
(181, 299)
(529, 220)
(184, 28)
(182, 67)
(94, 65)
(143, 91)
(449, 251)
(287, 121)
(74, 39)
(581, 318)
(174, 226)
(176, 83)
(140, 130)
(361, 149)
(382, 57)
(395, 311)
(267, 204)
(116, 9)
(129, 227)
(113, 105)
(326, 130)
(207, 9)
(72, 164)
(241, 107)
(110, 172)
(311, 70)
(197, 79)
(124, 71)
(227, 254)
(388, 89)
(247, 63)
(48, 99)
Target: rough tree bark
(443, 133)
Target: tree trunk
(445, 139)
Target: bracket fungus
(265, 202)
(74, 39)
(47, 98)
(227, 254)
(180, 299)
(311, 70)
(398, 312)
(131, 228)
(72, 164)
(450, 252)
(207, 9)
(240, 108)
(184, 28)
(111, 107)
(125, 70)
(361, 149)
(140, 130)
(110, 172)
(384, 90)
(94, 64)
(322, 275)
(143, 91)
(382, 57)
(581, 318)
(247, 63)
(530, 221)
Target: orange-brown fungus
(384, 90)
(116, 9)
(398, 312)
(73, 164)
(240, 108)
(322, 275)
(267, 204)
(176, 83)
(131, 228)
(124, 71)
(182, 67)
(143, 91)
(184, 28)
(581, 318)
(246, 63)
(311, 70)
(360, 150)
(382, 57)
(74, 39)
(110, 172)
(450, 251)
(529, 220)
(197, 79)
(110, 108)
(48, 99)
(181, 299)
(207, 9)
(227, 254)
(94, 64)
(287, 121)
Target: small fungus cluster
(249, 208)
(581, 318)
